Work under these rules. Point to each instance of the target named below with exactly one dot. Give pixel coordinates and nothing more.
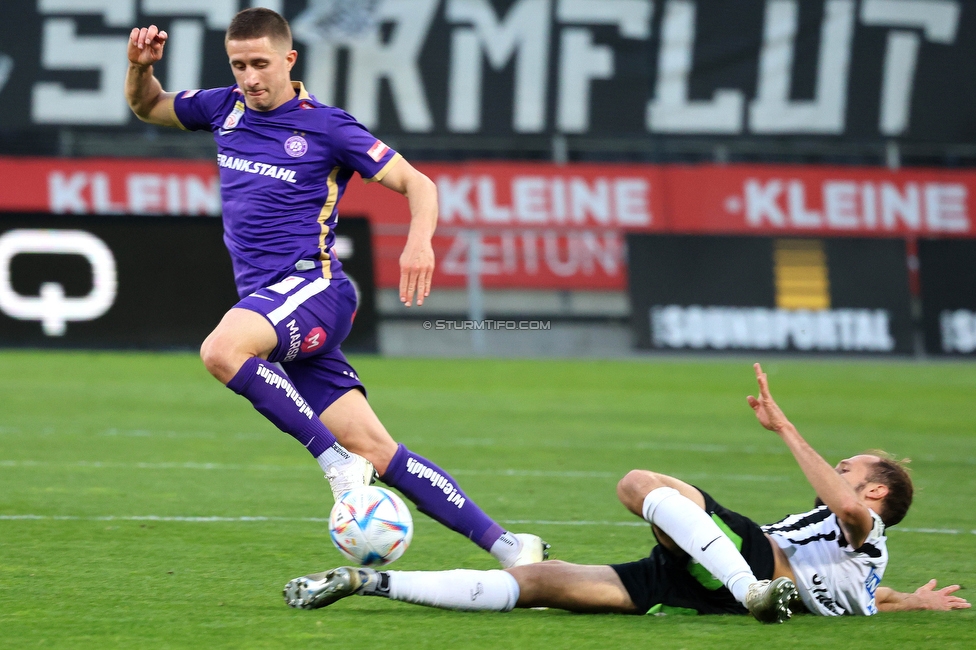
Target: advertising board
(948, 287)
(544, 226)
(150, 282)
(810, 295)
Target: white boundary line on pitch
(517, 522)
(88, 464)
(85, 464)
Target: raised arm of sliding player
(417, 259)
(833, 490)
(142, 90)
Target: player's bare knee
(635, 485)
(219, 358)
(208, 353)
(626, 485)
(535, 580)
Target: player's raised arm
(417, 259)
(838, 495)
(142, 90)
(926, 597)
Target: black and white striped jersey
(833, 579)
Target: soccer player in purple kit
(285, 160)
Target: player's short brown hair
(893, 474)
(258, 22)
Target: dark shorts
(312, 316)
(664, 580)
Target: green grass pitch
(92, 442)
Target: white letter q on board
(52, 308)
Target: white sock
(694, 531)
(335, 456)
(463, 589)
(506, 548)
(739, 585)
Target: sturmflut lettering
(276, 380)
(437, 480)
(259, 168)
(559, 62)
(761, 328)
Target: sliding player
(285, 160)
(708, 559)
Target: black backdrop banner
(124, 282)
(948, 274)
(865, 70)
(825, 295)
(354, 246)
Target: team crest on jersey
(296, 146)
(234, 118)
(377, 151)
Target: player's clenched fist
(146, 45)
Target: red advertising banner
(537, 226)
(109, 186)
(542, 225)
(866, 201)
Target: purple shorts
(311, 316)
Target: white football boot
(533, 550)
(321, 589)
(355, 474)
(769, 600)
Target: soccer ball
(371, 526)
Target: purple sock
(276, 399)
(438, 496)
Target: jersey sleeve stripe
(300, 89)
(324, 214)
(386, 169)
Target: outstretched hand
(928, 597)
(767, 411)
(416, 271)
(146, 45)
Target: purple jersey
(282, 173)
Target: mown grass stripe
(205, 519)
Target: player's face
(856, 470)
(262, 72)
